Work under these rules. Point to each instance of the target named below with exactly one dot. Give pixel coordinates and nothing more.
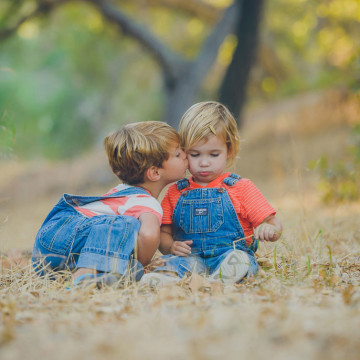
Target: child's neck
(200, 182)
(196, 181)
(153, 188)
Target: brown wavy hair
(137, 147)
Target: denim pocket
(57, 235)
(201, 215)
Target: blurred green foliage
(67, 78)
(308, 45)
(7, 127)
(67, 81)
(341, 181)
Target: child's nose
(204, 162)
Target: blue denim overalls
(67, 239)
(208, 218)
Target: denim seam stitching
(49, 246)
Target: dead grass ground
(305, 302)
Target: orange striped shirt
(250, 205)
(131, 205)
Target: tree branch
(213, 42)
(167, 59)
(43, 7)
(196, 8)
(12, 8)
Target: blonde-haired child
(211, 220)
(119, 230)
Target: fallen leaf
(347, 294)
(217, 288)
(197, 283)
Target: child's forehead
(211, 141)
(201, 140)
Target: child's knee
(44, 263)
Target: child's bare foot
(91, 279)
(82, 271)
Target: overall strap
(75, 200)
(182, 184)
(232, 179)
(133, 190)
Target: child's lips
(204, 173)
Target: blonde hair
(208, 118)
(137, 147)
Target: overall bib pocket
(201, 216)
(57, 235)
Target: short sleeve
(167, 209)
(254, 206)
(140, 204)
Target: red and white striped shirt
(250, 205)
(131, 205)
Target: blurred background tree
(68, 75)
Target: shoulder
(171, 197)
(142, 204)
(142, 200)
(173, 190)
(147, 199)
(243, 184)
(244, 189)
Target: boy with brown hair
(119, 230)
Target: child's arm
(269, 230)
(148, 238)
(169, 246)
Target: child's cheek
(191, 166)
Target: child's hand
(181, 248)
(269, 230)
(266, 232)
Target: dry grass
(305, 302)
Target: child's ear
(229, 153)
(152, 173)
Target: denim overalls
(208, 218)
(68, 239)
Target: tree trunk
(181, 89)
(233, 89)
(177, 100)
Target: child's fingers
(181, 249)
(266, 232)
(262, 232)
(259, 232)
(275, 236)
(180, 252)
(184, 246)
(269, 234)
(256, 233)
